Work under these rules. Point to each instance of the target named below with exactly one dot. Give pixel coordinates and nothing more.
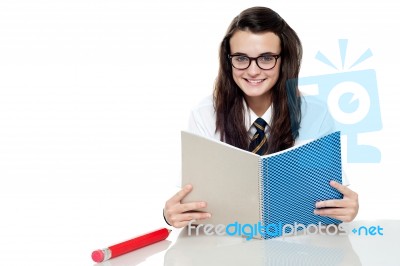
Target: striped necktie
(258, 143)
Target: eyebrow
(266, 53)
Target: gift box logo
(353, 102)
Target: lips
(254, 81)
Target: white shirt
(316, 120)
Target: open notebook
(243, 187)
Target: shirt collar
(250, 117)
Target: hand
(179, 215)
(344, 209)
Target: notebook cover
(293, 180)
(226, 177)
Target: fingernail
(208, 215)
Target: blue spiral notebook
(277, 189)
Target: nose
(253, 69)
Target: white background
(94, 93)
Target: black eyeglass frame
(230, 57)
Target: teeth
(255, 81)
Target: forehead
(254, 44)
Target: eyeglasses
(265, 62)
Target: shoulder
(205, 105)
(316, 120)
(204, 110)
(202, 118)
(310, 105)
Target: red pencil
(130, 245)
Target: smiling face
(255, 82)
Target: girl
(257, 106)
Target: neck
(259, 105)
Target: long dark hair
(228, 97)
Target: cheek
(277, 70)
(274, 76)
(236, 76)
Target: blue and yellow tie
(259, 143)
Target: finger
(342, 189)
(180, 224)
(180, 194)
(331, 204)
(342, 218)
(331, 211)
(190, 206)
(343, 214)
(180, 220)
(194, 216)
(171, 212)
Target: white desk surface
(181, 249)
(64, 229)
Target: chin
(256, 93)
